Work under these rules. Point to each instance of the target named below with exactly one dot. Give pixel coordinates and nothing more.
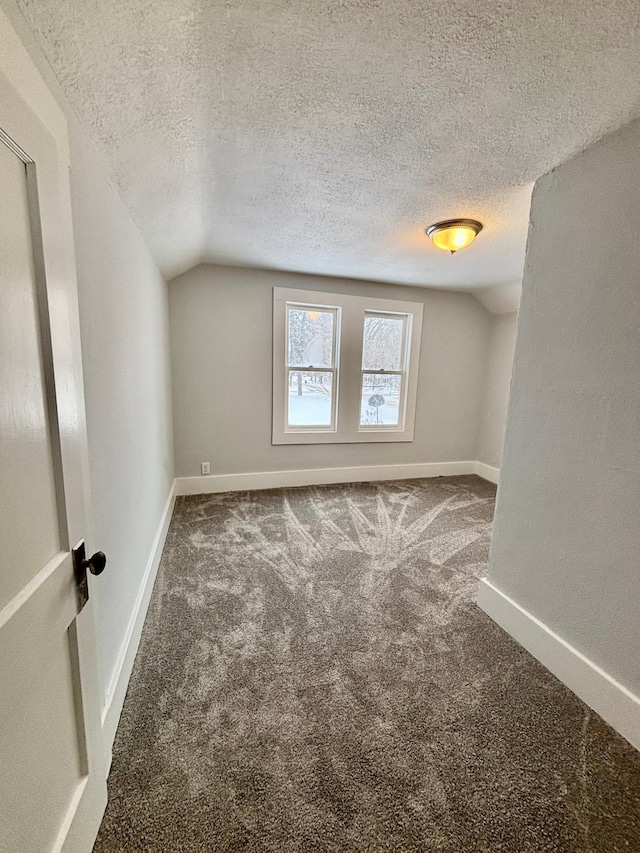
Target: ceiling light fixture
(453, 234)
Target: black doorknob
(96, 563)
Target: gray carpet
(314, 676)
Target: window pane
(310, 337)
(380, 400)
(309, 398)
(382, 347)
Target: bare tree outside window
(310, 338)
(382, 346)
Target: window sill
(359, 437)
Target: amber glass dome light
(453, 234)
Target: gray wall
(125, 355)
(493, 416)
(221, 339)
(567, 535)
(124, 327)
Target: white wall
(567, 533)
(221, 339)
(493, 415)
(125, 342)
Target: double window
(345, 368)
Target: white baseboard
(117, 689)
(607, 697)
(487, 472)
(323, 476)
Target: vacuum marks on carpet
(315, 676)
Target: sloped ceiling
(324, 135)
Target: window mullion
(351, 337)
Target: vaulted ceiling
(324, 135)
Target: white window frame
(348, 370)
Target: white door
(52, 762)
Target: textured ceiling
(324, 135)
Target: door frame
(35, 128)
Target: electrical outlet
(206, 468)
